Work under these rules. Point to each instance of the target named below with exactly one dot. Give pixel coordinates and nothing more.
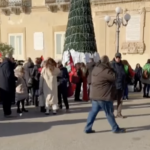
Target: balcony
(57, 5)
(15, 6)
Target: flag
(71, 69)
(0, 55)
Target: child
(21, 89)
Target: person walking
(63, 81)
(48, 89)
(137, 78)
(7, 84)
(21, 89)
(102, 95)
(145, 79)
(118, 67)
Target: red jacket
(132, 73)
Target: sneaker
(120, 131)
(90, 132)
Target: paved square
(35, 131)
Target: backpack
(145, 74)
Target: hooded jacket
(102, 83)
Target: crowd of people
(45, 84)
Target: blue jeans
(148, 88)
(106, 106)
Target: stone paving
(35, 131)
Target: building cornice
(101, 2)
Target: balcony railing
(56, 2)
(57, 5)
(15, 3)
(15, 6)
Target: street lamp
(118, 22)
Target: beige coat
(48, 87)
(21, 88)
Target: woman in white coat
(48, 86)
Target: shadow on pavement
(21, 128)
(129, 130)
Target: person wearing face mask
(118, 67)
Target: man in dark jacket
(7, 84)
(102, 95)
(118, 67)
(63, 81)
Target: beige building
(37, 27)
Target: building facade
(37, 27)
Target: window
(16, 41)
(59, 43)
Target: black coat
(36, 76)
(63, 77)
(7, 77)
(120, 75)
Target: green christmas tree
(80, 34)
(6, 49)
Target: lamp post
(118, 22)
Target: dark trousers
(126, 92)
(146, 89)
(135, 84)
(62, 93)
(6, 98)
(78, 90)
(22, 103)
(34, 96)
(107, 107)
(119, 95)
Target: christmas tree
(80, 36)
